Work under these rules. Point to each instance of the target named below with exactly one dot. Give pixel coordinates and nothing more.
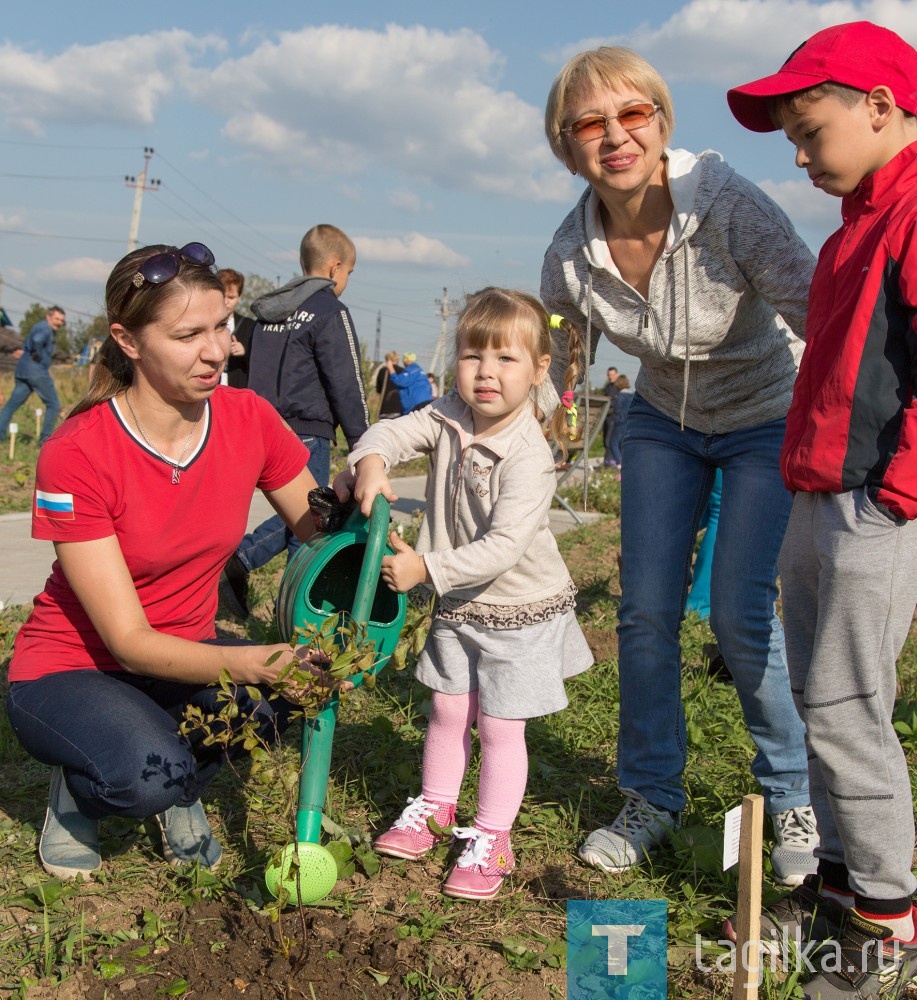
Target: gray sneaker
(69, 844)
(796, 837)
(187, 837)
(639, 829)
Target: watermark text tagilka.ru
(787, 953)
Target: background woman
(692, 269)
(145, 491)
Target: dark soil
(225, 949)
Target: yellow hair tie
(556, 321)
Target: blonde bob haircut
(595, 71)
(493, 317)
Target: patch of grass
(49, 930)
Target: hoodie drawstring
(684, 394)
(588, 364)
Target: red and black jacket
(853, 421)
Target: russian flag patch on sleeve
(54, 505)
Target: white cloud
(87, 270)
(334, 101)
(413, 248)
(727, 42)
(13, 221)
(329, 102)
(407, 201)
(121, 81)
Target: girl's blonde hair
(493, 316)
(604, 68)
(575, 373)
(134, 308)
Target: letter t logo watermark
(615, 945)
(617, 935)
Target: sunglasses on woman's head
(595, 126)
(163, 267)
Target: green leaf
(108, 969)
(176, 988)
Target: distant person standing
(305, 359)
(389, 398)
(413, 387)
(240, 329)
(620, 403)
(434, 388)
(33, 374)
(610, 391)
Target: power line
(37, 298)
(53, 236)
(58, 177)
(233, 240)
(222, 207)
(59, 145)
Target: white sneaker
(796, 836)
(69, 844)
(640, 827)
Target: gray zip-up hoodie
(718, 336)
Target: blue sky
(415, 127)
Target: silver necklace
(175, 465)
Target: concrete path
(25, 563)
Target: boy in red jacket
(846, 100)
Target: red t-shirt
(95, 478)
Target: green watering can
(331, 574)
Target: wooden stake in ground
(38, 412)
(14, 429)
(748, 930)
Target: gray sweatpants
(848, 574)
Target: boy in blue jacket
(305, 359)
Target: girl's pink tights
(504, 758)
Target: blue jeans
(40, 382)
(272, 536)
(667, 477)
(116, 735)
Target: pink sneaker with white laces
(410, 835)
(485, 862)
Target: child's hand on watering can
(371, 480)
(405, 569)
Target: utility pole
(139, 184)
(377, 353)
(446, 309)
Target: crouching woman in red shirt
(145, 491)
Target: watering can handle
(372, 560)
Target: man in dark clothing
(305, 359)
(33, 374)
(610, 391)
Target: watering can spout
(335, 575)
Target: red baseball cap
(859, 54)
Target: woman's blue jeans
(667, 476)
(117, 737)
